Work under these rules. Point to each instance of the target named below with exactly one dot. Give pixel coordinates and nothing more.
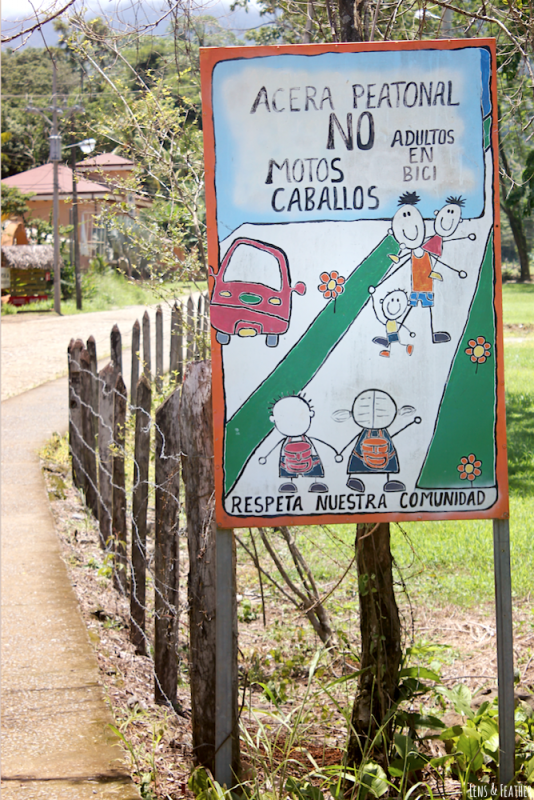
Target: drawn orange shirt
(421, 269)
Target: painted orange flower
(332, 285)
(479, 350)
(469, 467)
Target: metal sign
(353, 237)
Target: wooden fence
(99, 414)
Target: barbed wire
(104, 446)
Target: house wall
(43, 209)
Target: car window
(249, 264)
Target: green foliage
(14, 202)
(8, 309)
(205, 788)
(246, 611)
(27, 79)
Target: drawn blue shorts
(393, 337)
(426, 299)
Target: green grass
(518, 303)
(519, 383)
(453, 561)
(103, 292)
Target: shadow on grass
(520, 427)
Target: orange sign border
(209, 57)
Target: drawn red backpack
(297, 454)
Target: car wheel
(222, 338)
(271, 340)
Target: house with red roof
(98, 182)
(108, 168)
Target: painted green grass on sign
(466, 428)
(251, 424)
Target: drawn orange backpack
(376, 450)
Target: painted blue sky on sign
(340, 136)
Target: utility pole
(55, 158)
(76, 253)
(87, 146)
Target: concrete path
(56, 743)
(34, 346)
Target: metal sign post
(226, 661)
(505, 648)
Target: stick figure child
(446, 223)
(392, 311)
(292, 417)
(408, 228)
(374, 452)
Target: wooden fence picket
(147, 367)
(167, 558)
(180, 344)
(196, 436)
(198, 328)
(91, 349)
(75, 411)
(116, 349)
(106, 379)
(118, 493)
(190, 333)
(136, 347)
(88, 434)
(139, 515)
(159, 348)
(205, 326)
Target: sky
(125, 10)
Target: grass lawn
(453, 561)
(102, 292)
(518, 303)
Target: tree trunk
(381, 643)
(514, 214)
(515, 219)
(353, 20)
(379, 616)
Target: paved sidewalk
(56, 743)
(34, 346)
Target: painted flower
(332, 285)
(479, 350)
(469, 468)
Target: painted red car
(252, 292)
